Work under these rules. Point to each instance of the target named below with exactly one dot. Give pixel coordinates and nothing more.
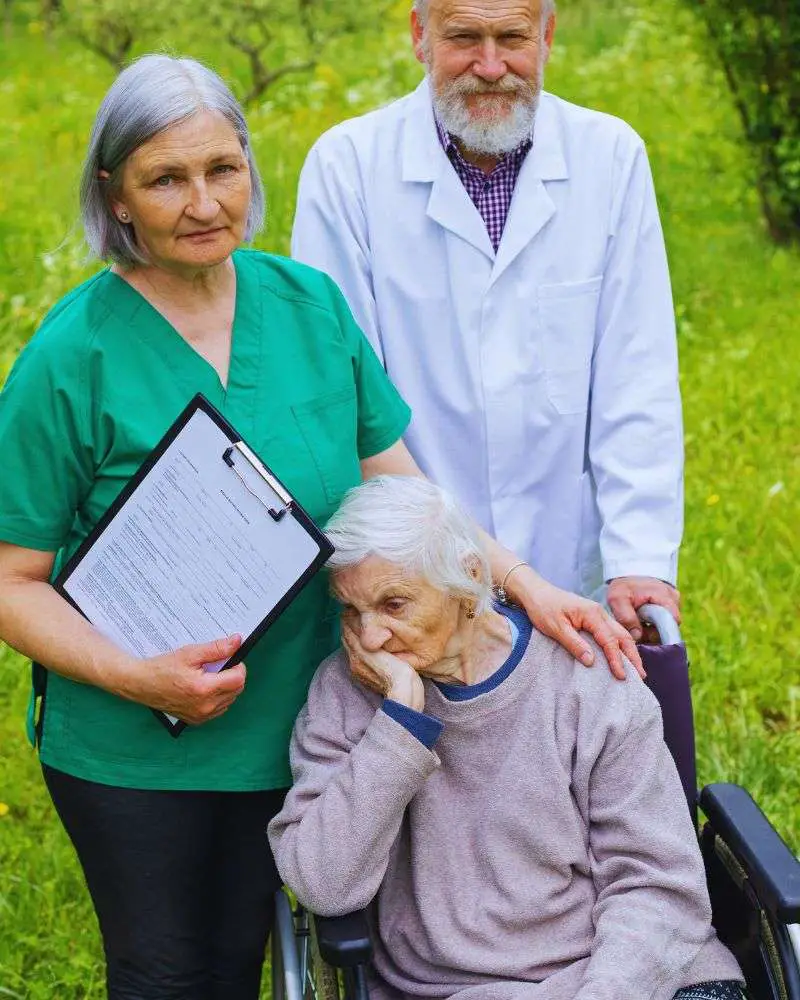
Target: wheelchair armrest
(344, 941)
(767, 862)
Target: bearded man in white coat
(502, 250)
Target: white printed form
(192, 555)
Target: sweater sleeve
(652, 914)
(426, 728)
(355, 770)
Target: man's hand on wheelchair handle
(626, 594)
(562, 615)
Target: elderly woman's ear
(477, 570)
(117, 208)
(474, 568)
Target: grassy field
(736, 299)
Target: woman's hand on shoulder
(383, 672)
(177, 684)
(562, 615)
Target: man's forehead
(485, 10)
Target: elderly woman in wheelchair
(513, 820)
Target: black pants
(182, 883)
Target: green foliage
(270, 39)
(758, 45)
(110, 28)
(282, 37)
(736, 299)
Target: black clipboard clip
(252, 459)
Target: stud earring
(123, 217)
(470, 614)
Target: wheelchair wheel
(298, 970)
(322, 980)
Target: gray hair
(412, 523)
(421, 7)
(149, 96)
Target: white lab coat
(543, 379)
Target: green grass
(736, 298)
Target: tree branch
(261, 77)
(270, 78)
(115, 54)
(730, 75)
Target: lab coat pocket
(329, 427)
(567, 318)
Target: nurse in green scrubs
(171, 833)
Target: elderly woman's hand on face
(383, 672)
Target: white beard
(490, 135)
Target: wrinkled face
(486, 63)
(391, 610)
(187, 193)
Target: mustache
(465, 86)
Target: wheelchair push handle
(669, 632)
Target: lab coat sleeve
(330, 227)
(635, 440)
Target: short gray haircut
(152, 94)
(421, 7)
(410, 522)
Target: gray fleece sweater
(543, 851)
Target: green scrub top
(90, 396)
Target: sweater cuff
(426, 728)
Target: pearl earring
(123, 216)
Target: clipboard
(125, 560)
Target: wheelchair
(753, 878)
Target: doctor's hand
(562, 615)
(626, 594)
(177, 684)
(383, 672)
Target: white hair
(410, 522)
(421, 7)
(149, 96)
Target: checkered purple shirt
(490, 193)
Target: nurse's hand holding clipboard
(179, 684)
(176, 683)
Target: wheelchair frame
(753, 878)
(318, 959)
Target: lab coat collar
(532, 206)
(422, 151)
(424, 161)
